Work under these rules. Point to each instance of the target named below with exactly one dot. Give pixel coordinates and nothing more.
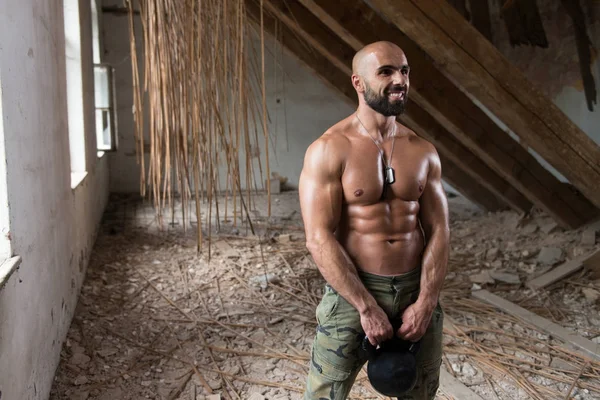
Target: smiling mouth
(397, 95)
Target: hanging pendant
(390, 175)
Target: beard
(382, 104)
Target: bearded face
(391, 102)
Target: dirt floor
(157, 320)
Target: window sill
(7, 268)
(77, 178)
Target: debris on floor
(157, 320)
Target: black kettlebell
(392, 367)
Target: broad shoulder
(329, 152)
(425, 148)
(333, 140)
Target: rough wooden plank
(357, 25)
(416, 118)
(459, 49)
(583, 346)
(454, 388)
(449, 385)
(565, 269)
(555, 274)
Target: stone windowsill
(7, 268)
(77, 178)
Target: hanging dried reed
(203, 87)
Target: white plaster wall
(52, 227)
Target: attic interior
(152, 238)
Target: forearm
(434, 268)
(339, 271)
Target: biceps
(434, 207)
(320, 203)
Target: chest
(364, 179)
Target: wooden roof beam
(453, 151)
(463, 53)
(468, 187)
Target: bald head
(371, 56)
(380, 76)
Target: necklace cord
(381, 153)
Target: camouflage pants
(336, 359)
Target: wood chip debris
(188, 326)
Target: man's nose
(400, 79)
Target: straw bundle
(204, 90)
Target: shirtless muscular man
(376, 221)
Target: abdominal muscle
(383, 238)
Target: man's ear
(357, 83)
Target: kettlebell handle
(368, 347)
(414, 347)
(371, 350)
(396, 324)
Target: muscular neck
(378, 125)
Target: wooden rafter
(461, 52)
(461, 168)
(357, 25)
(424, 125)
(469, 188)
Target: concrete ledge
(7, 268)
(77, 178)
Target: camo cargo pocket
(325, 366)
(327, 306)
(333, 364)
(326, 380)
